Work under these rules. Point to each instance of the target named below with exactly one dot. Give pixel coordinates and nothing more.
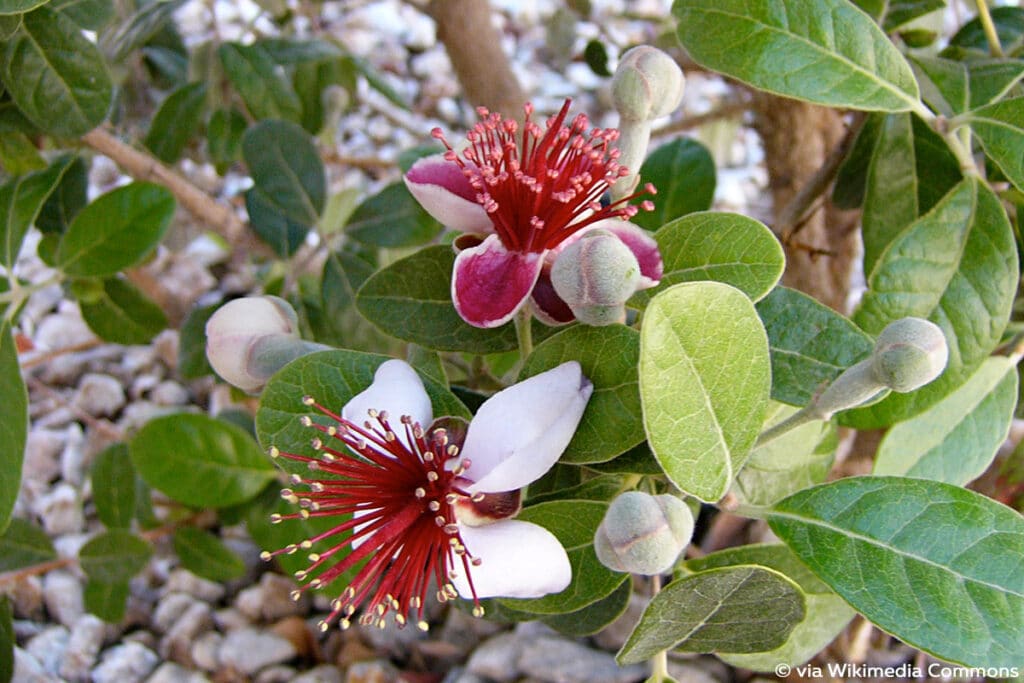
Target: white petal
(517, 560)
(519, 433)
(397, 389)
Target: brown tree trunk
(820, 250)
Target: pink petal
(640, 242)
(517, 560)
(519, 433)
(441, 188)
(490, 283)
(548, 306)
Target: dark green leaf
(139, 28)
(200, 461)
(295, 51)
(117, 230)
(122, 314)
(1009, 23)
(224, 138)
(612, 423)
(596, 57)
(810, 344)
(66, 200)
(89, 14)
(9, 25)
(192, 362)
(114, 556)
(637, 460)
(176, 122)
(993, 79)
(267, 95)
(113, 487)
(344, 273)
(874, 8)
(7, 640)
(592, 618)
(743, 608)
(205, 555)
(1000, 129)
(890, 199)
(13, 423)
(279, 232)
(848, 191)
(21, 199)
(376, 81)
(392, 218)
(107, 600)
(902, 12)
(56, 75)
(19, 6)
(944, 562)
(412, 299)
(822, 51)
(683, 173)
(24, 544)
(603, 487)
(286, 168)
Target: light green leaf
(114, 556)
(826, 613)
(719, 246)
(107, 600)
(683, 173)
(743, 608)
(19, 6)
(205, 555)
(392, 218)
(13, 423)
(573, 522)
(992, 79)
(21, 200)
(956, 266)
(956, 439)
(287, 169)
(611, 424)
(176, 121)
(200, 461)
(122, 314)
(935, 565)
(55, 75)
(24, 544)
(1000, 129)
(943, 84)
(267, 95)
(823, 51)
(705, 378)
(89, 14)
(116, 231)
(113, 487)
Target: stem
(524, 333)
(990, 29)
(659, 662)
(801, 417)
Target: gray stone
(184, 581)
(694, 671)
(42, 451)
(459, 675)
(170, 607)
(372, 671)
(614, 636)
(127, 663)
(62, 593)
(248, 650)
(28, 670)
(205, 650)
(169, 672)
(99, 395)
(83, 646)
(60, 510)
(560, 660)
(270, 599)
(142, 385)
(74, 462)
(48, 648)
(177, 644)
(275, 674)
(325, 673)
(497, 658)
(169, 393)
(230, 619)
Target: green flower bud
(909, 353)
(595, 275)
(643, 534)
(647, 85)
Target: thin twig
(45, 356)
(990, 29)
(364, 163)
(106, 428)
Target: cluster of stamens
(543, 188)
(395, 500)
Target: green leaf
(826, 613)
(18, 155)
(392, 218)
(89, 14)
(312, 78)
(113, 487)
(107, 599)
(1009, 24)
(205, 555)
(796, 460)
(279, 232)
(822, 51)
(66, 200)
(344, 273)
(138, 28)
(592, 618)
(719, 246)
(286, 168)
(956, 439)
(9, 25)
(992, 79)
(935, 565)
(7, 640)
(1000, 129)
(19, 6)
(596, 57)
(573, 522)
(21, 200)
(851, 178)
(890, 199)
(200, 461)
(13, 423)
(122, 314)
(55, 75)
(611, 424)
(743, 608)
(24, 544)
(412, 299)
(224, 138)
(810, 344)
(683, 172)
(192, 362)
(176, 122)
(114, 556)
(116, 231)
(705, 378)
(253, 73)
(902, 12)
(956, 266)
(603, 487)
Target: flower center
(547, 186)
(394, 495)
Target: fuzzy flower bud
(643, 534)
(647, 85)
(595, 275)
(248, 340)
(909, 353)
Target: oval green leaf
(611, 424)
(743, 608)
(1000, 128)
(392, 218)
(55, 75)
(205, 555)
(705, 377)
(175, 122)
(113, 487)
(823, 51)
(23, 545)
(114, 556)
(107, 600)
(286, 169)
(19, 7)
(13, 423)
(200, 461)
(683, 173)
(116, 231)
(21, 200)
(935, 565)
(253, 72)
(957, 438)
(122, 314)
(718, 246)
(593, 618)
